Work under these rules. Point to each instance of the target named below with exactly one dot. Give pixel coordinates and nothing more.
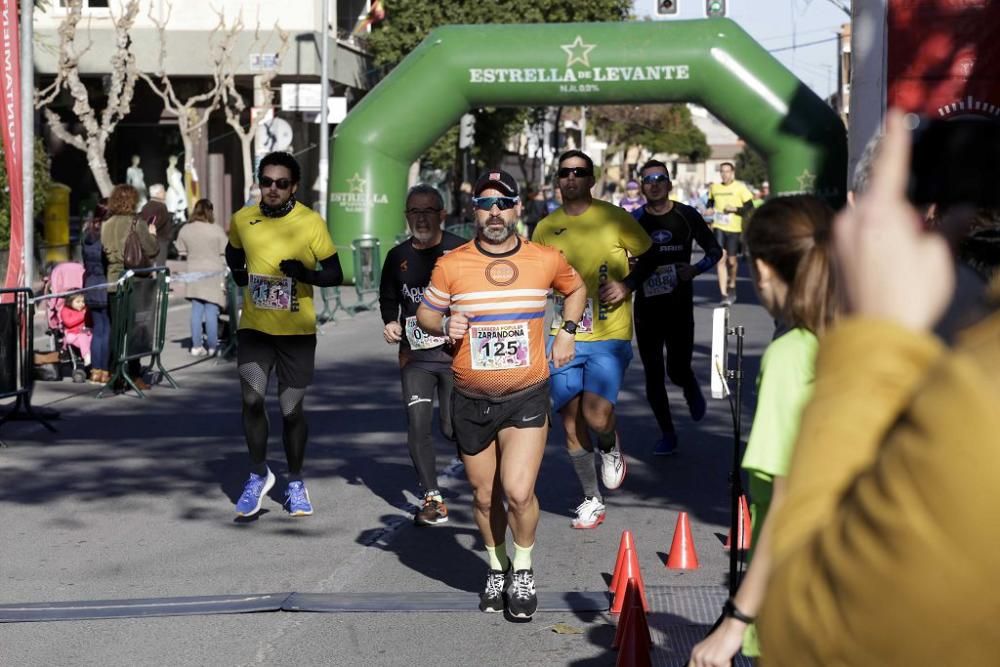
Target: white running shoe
(589, 514)
(613, 466)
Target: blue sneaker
(253, 494)
(666, 445)
(696, 402)
(297, 499)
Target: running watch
(569, 327)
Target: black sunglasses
(655, 178)
(579, 172)
(415, 212)
(487, 203)
(280, 183)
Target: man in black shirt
(424, 360)
(664, 301)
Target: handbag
(132, 255)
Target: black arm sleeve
(330, 274)
(706, 239)
(388, 302)
(746, 209)
(644, 268)
(236, 260)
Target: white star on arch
(356, 183)
(578, 52)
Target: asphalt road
(134, 499)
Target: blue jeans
(207, 312)
(100, 348)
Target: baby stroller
(64, 277)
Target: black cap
(498, 179)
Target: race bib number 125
(498, 347)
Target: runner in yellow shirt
(730, 202)
(272, 249)
(597, 238)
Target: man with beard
(271, 248)
(495, 290)
(424, 360)
(596, 237)
(664, 301)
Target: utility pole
(324, 121)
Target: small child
(74, 318)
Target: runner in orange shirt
(495, 290)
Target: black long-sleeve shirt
(673, 235)
(405, 274)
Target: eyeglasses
(417, 212)
(579, 172)
(487, 203)
(655, 178)
(280, 183)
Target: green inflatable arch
(712, 62)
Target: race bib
(420, 339)
(722, 219)
(270, 292)
(662, 282)
(497, 347)
(586, 323)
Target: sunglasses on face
(417, 212)
(579, 172)
(655, 178)
(280, 183)
(487, 203)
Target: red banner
(10, 127)
(944, 57)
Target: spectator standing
(95, 273)
(203, 244)
(160, 221)
(121, 206)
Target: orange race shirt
(504, 298)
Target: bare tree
(96, 127)
(192, 113)
(235, 106)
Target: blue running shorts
(598, 367)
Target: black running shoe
(521, 598)
(491, 599)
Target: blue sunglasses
(487, 203)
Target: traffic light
(466, 130)
(666, 7)
(715, 8)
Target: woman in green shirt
(788, 240)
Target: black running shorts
(478, 420)
(293, 357)
(731, 242)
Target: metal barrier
(329, 314)
(17, 316)
(367, 272)
(140, 324)
(234, 301)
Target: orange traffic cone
(682, 554)
(745, 527)
(630, 570)
(634, 645)
(624, 545)
(631, 609)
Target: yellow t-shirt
(274, 303)
(734, 195)
(597, 244)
